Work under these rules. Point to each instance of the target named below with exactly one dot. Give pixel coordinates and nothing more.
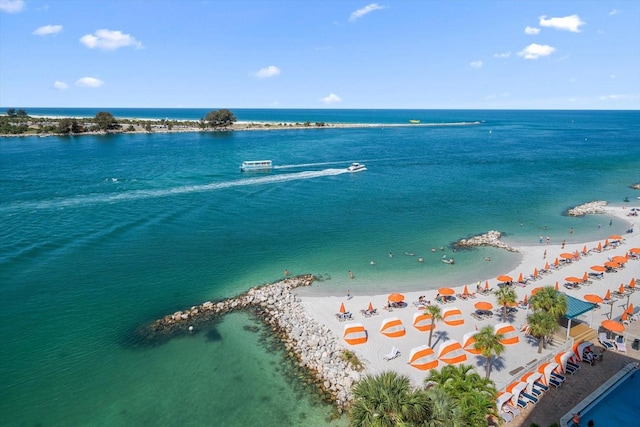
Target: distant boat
(356, 167)
(256, 165)
(414, 121)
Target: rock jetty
(491, 238)
(595, 207)
(312, 344)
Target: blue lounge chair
(570, 369)
(558, 377)
(522, 403)
(540, 386)
(605, 341)
(554, 383)
(574, 366)
(536, 391)
(529, 397)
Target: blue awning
(576, 307)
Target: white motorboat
(256, 165)
(356, 167)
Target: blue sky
(313, 54)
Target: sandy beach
(518, 358)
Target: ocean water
(103, 234)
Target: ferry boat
(356, 167)
(256, 165)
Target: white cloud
(614, 97)
(535, 51)
(365, 10)
(109, 40)
(89, 82)
(267, 72)
(60, 85)
(532, 31)
(614, 12)
(11, 6)
(47, 29)
(570, 23)
(476, 64)
(502, 55)
(332, 98)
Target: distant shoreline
(182, 126)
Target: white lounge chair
(392, 355)
(621, 345)
(606, 343)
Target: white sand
(324, 308)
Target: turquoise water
(102, 234)
(618, 406)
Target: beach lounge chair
(554, 382)
(506, 416)
(392, 354)
(573, 366)
(606, 343)
(522, 403)
(510, 408)
(540, 386)
(621, 345)
(529, 397)
(556, 376)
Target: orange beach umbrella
(613, 326)
(505, 278)
(608, 294)
(599, 246)
(535, 272)
(606, 242)
(585, 276)
(593, 298)
(556, 262)
(483, 305)
(584, 249)
(526, 299)
(567, 255)
(556, 287)
(370, 308)
(632, 283)
(342, 309)
(624, 316)
(621, 288)
(395, 297)
(635, 250)
(546, 265)
(573, 279)
(619, 259)
(520, 279)
(446, 291)
(535, 290)
(486, 285)
(598, 268)
(615, 237)
(612, 264)
(465, 290)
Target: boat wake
(309, 165)
(168, 192)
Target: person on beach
(576, 419)
(348, 294)
(563, 244)
(544, 256)
(571, 230)
(548, 240)
(541, 238)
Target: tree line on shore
(18, 122)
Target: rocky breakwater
(596, 207)
(312, 344)
(491, 238)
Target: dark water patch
(213, 335)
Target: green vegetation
(506, 297)
(351, 358)
(488, 342)
(388, 399)
(220, 119)
(548, 305)
(436, 315)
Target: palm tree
(506, 297)
(387, 399)
(488, 342)
(436, 316)
(445, 411)
(551, 301)
(542, 324)
(475, 395)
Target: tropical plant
(488, 342)
(541, 325)
(475, 395)
(105, 121)
(445, 411)
(222, 118)
(387, 399)
(506, 296)
(436, 316)
(551, 301)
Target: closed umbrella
(630, 309)
(632, 283)
(525, 301)
(342, 309)
(465, 291)
(556, 262)
(546, 265)
(486, 285)
(584, 249)
(556, 287)
(608, 294)
(535, 272)
(520, 279)
(585, 276)
(621, 288)
(370, 308)
(599, 246)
